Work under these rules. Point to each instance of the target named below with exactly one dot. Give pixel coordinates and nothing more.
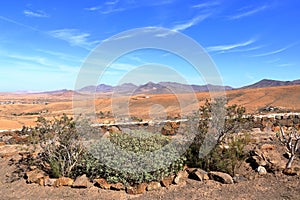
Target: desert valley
(22, 109)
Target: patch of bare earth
(269, 186)
(273, 185)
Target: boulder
(238, 179)
(82, 182)
(261, 170)
(268, 156)
(167, 181)
(220, 177)
(49, 181)
(12, 150)
(153, 186)
(63, 181)
(35, 176)
(102, 183)
(117, 186)
(180, 176)
(293, 171)
(114, 129)
(199, 175)
(131, 190)
(139, 189)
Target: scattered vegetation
(63, 153)
(218, 127)
(139, 156)
(58, 139)
(291, 141)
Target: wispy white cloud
(122, 66)
(37, 63)
(38, 13)
(206, 4)
(112, 2)
(60, 55)
(112, 10)
(190, 23)
(229, 46)
(74, 37)
(286, 65)
(19, 24)
(245, 49)
(35, 59)
(183, 26)
(110, 6)
(107, 7)
(273, 52)
(94, 8)
(248, 12)
(105, 10)
(273, 61)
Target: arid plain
(19, 109)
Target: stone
(261, 170)
(49, 181)
(256, 130)
(2, 143)
(32, 167)
(82, 182)
(11, 150)
(238, 179)
(153, 186)
(190, 170)
(131, 190)
(34, 176)
(259, 160)
(268, 156)
(199, 175)
(102, 183)
(115, 129)
(117, 186)
(220, 177)
(180, 176)
(293, 171)
(167, 181)
(63, 181)
(139, 189)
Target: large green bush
(136, 157)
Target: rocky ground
(266, 152)
(269, 186)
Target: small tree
(217, 124)
(291, 141)
(59, 140)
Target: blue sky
(43, 44)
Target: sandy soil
(265, 187)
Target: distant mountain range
(167, 88)
(154, 88)
(271, 83)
